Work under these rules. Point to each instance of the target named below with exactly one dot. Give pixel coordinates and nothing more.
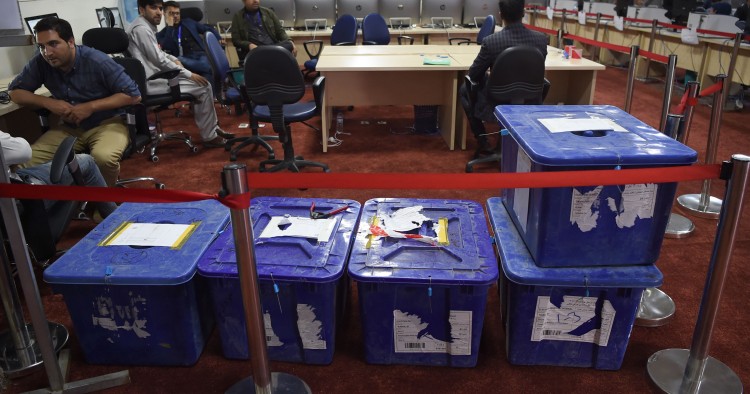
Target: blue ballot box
(564, 316)
(303, 287)
(141, 305)
(592, 225)
(423, 303)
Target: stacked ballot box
(303, 286)
(423, 290)
(130, 284)
(600, 225)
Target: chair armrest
(369, 43)
(405, 38)
(472, 88)
(545, 89)
(458, 40)
(64, 156)
(313, 48)
(319, 86)
(167, 74)
(345, 43)
(43, 115)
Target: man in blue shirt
(183, 39)
(89, 91)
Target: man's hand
(78, 113)
(251, 46)
(58, 107)
(199, 79)
(178, 63)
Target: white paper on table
(581, 18)
(151, 234)
(564, 125)
(550, 13)
(280, 226)
(405, 219)
(618, 21)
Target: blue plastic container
(588, 226)
(301, 318)
(424, 304)
(571, 316)
(140, 305)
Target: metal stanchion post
(668, 86)
(234, 181)
(596, 52)
(631, 77)
(694, 371)
(651, 40)
(692, 90)
(560, 34)
(730, 70)
(704, 205)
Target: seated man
(513, 33)
(718, 7)
(17, 151)
(143, 46)
(254, 25)
(88, 90)
(182, 39)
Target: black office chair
(488, 27)
(193, 13)
(230, 81)
(516, 77)
(114, 41)
(344, 33)
(274, 85)
(43, 227)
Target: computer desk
(18, 120)
(397, 75)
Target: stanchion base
(666, 369)
(280, 383)
(656, 308)
(692, 203)
(15, 366)
(678, 226)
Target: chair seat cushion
(296, 112)
(311, 64)
(154, 100)
(233, 95)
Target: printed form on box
(150, 234)
(566, 125)
(282, 226)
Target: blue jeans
(89, 171)
(198, 63)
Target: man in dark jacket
(253, 26)
(184, 40)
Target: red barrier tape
(371, 181)
(671, 26)
(716, 33)
(654, 56)
(565, 11)
(593, 15)
(711, 89)
(646, 21)
(541, 29)
(617, 48)
(685, 102)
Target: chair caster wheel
(271, 156)
(155, 159)
(160, 186)
(194, 149)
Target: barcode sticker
(575, 320)
(412, 334)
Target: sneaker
(224, 134)
(218, 142)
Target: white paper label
(310, 328)
(573, 321)
(521, 196)
(412, 335)
(637, 202)
(271, 338)
(584, 209)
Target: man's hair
(146, 3)
(61, 26)
(172, 4)
(511, 10)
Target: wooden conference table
(18, 120)
(396, 75)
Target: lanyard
(179, 39)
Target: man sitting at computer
(254, 26)
(182, 39)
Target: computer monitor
(103, 16)
(284, 10)
(680, 9)
(357, 8)
(601, 8)
(476, 10)
(11, 24)
(31, 21)
(315, 14)
(564, 5)
(220, 10)
(442, 13)
(400, 11)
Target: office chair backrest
(345, 30)
(193, 13)
(375, 30)
(113, 41)
(216, 57)
(488, 27)
(109, 17)
(517, 77)
(273, 78)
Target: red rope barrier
(711, 89)
(654, 56)
(716, 33)
(593, 15)
(617, 48)
(671, 26)
(370, 181)
(541, 29)
(646, 21)
(691, 102)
